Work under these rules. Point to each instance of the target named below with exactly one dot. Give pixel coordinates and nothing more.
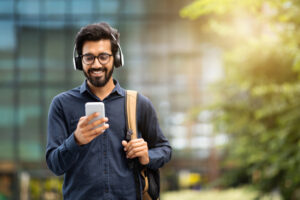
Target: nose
(97, 64)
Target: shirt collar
(84, 88)
(118, 88)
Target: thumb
(124, 143)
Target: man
(94, 160)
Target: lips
(97, 72)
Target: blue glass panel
(29, 7)
(133, 7)
(82, 7)
(29, 116)
(29, 54)
(51, 24)
(34, 23)
(6, 124)
(7, 45)
(108, 7)
(7, 35)
(6, 6)
(54, 7)
(55, 55)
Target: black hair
(95, 32)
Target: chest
(114, 111)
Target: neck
(104, 91)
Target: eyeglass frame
(98, 57)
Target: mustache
(102, 69)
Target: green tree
(258, 101)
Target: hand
(86, 132)
(137, 148)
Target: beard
(99, 81)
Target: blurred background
(223, 76)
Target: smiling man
(95, 160)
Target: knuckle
(95, 123)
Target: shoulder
(143, 99)
(62, 97)
(144, 105)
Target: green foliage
(258, 101)
(50, 188)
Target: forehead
(96, 47)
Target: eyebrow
(96, 55)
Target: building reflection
(165, 59)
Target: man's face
(98, 73)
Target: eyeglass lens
(90, 59)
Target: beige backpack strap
(131, 101)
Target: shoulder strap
(130, 110)
(131, 102)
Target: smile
(97, 73)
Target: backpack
(150, 183)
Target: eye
(89, 57)
(103, 56)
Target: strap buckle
(128, 135)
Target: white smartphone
(92, 107)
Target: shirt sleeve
(62, 151)
(159, 148)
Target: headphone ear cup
(78, 63)
(118, 57)
(117, 61)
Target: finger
(98, 131)
(137, 152)
(135, 141)
(136, 144)
(89, 118)
(141, 154)
(124, 143)
(95, 124)
(81, 120)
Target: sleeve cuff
(71, 144)
(151, 161)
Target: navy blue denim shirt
(99, 170)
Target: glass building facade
(163, 60)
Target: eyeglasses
(89, 59)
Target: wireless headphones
(118, 57)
